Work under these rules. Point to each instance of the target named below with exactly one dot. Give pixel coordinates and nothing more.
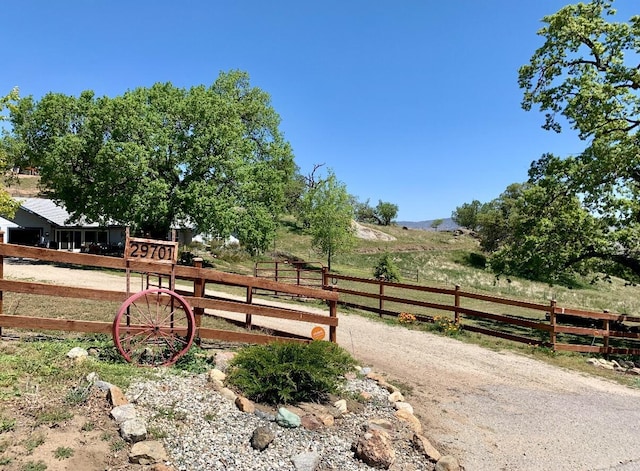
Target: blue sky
(414, 102)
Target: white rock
(77, 352)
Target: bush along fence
(549, 325)
(193, 288)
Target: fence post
(298, 274)
(333, 312)
(198, 292)
(325, 278)
(457, 305)
(606, 335)
(381, 301)
(552, 322)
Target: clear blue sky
(414, 102)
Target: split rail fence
(202, 304)
(560, 328)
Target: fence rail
(196, 297)
(526, 322)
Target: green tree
(8, 205)
(386, 212)
(386, 270)
(436, 223)
(364, 212)
(328, 210)
(586, 75)
(211, 157)
(467, 215)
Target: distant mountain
(447, 225)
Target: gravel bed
(202, 430)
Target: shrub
(386, 269)
(284, 373)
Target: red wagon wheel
(154, 327)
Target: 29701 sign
(149, 250)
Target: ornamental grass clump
(288, 373)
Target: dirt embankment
(494, 410)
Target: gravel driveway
(492, 410)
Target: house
(40, 221)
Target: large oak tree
(207, 157)
(586, 76)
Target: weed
(117, 445)
(106, 436)
(157, 433)
(6, 424)
(5, 461)
(210, 416)
(53, 416)
(88, 426)
(33, 442)
(78, 395)
(170, 413)
(34, 466)
(194, 361)
(4, 445)
(63, 453)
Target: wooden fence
(531, 323)
(310, 274)
(199, 301)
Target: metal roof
(53, 213)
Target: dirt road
(493, 410)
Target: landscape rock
(77, 352)
(307, 461)
(102, 385)
(634, 371)
(287, 419)
(404, 406)
(424, 446)
(375, 449)
(396, 396)
(341, 405)
(116, 397)
(379, 424)
(262, 437)
(311, 422)
(216, 374)
(411, 419)
(222, 360)
(447, 463)
(216, 384)
(245, 405)
(123, 413)
(148, 452)
(354, 406)
(365, 396)
(228, 394)
(133, 430)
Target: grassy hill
(443, 259)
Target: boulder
(262, 437)
(447, 463)
(133, 430)
(148, 452)
(287, 419)
(374, 448)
